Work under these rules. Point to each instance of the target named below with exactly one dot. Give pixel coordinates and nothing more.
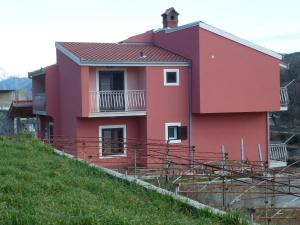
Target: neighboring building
(15, 112)
(194, 79)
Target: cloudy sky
(29, 28)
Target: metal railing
(117, 101)
(278, 152)
(39, 103)
(284, 97)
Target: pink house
(193, 85)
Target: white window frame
(165, 77)
(167, 125)
(123, 126)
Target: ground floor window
(172, 131)
(112, 140)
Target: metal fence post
(167, 161)
(135, 162)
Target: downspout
(268, 140)
(190, 118)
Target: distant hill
(15, 83)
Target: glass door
(111, 91)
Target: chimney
(170, 18)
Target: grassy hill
(39, 187)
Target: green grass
(40, 187)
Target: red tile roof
(112, 52)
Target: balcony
(39, 104)
(117, 103)
(284, 99)
(278, 155)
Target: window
(171, 77)
(172, 132)
(112, 140)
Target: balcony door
(111, 91)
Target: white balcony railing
(284, 97)
(117, 101)
(39, 103)
(278, 154)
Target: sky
(29, 28)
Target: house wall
(165, 104)
(69, 85)
(88, 129)
(185, 43)
(6, 97)
(52, 97)
(210, 131)
(227, 76)
(235, 78)
(38, 85)
(43, 125)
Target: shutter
(182, 132)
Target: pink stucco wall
(227, 76)
(43, 125)
(53, 96)
(210, 131)
(70, 94)
(89, 128)
(185, 43)
(235, 78)
(165, 104)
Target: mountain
(15, 83)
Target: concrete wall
(6, 97)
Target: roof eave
(225, 35)
(82, 62)
(133, 63)
(35, 73)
